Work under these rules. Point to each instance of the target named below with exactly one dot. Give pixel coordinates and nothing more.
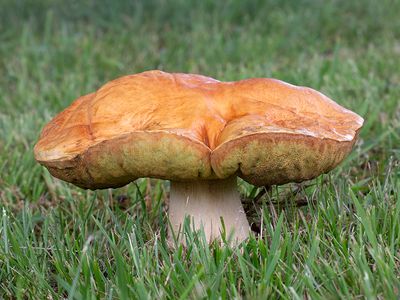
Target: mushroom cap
(187, 127)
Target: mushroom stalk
(206, 202)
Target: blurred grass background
(59, 241)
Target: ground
(337, 236)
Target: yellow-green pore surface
(188, 127)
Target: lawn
(337, 236)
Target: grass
(57, 241)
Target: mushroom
(199, 133)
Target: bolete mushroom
(199, 133)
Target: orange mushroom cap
(185, 127)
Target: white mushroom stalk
(208, 203)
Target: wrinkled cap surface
(187, 127)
